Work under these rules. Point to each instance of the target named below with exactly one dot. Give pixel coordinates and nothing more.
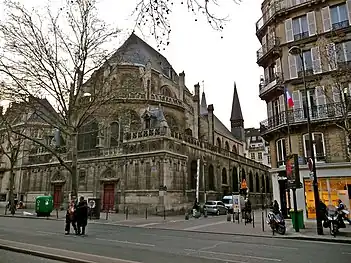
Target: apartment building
(256, 148)
(306, 55)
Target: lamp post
(296, 51)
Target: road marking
(126, 242)
(223, 260)
(205, 225)
(346, 253)
(149, 224)
(49, 233)
(240, 255)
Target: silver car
(215, 207)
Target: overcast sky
(204, 56)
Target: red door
(57, 196)
(109, 196)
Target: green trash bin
(297, 219)
(44, 205)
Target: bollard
(56, 213)
(262, 221)
(205, 212)
(164, 213)
(106, 214)
(244, 217)
(90, 212)
(253, 219)
(233, 216)
(186, 216)
(229, 217)
(146, 213)
(127, 213)
(238, 217)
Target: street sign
(310, 164)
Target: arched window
(318, 146)
(263, 184)
(251, 182)
(219, 144)
(258, 190)
(227, 146)
(193, 173)
(211, 180)
(224, 176)
(87, 136)
(166, 91)
(268, 185)
(188, 132)
(114, 134)
(234, 150)
(172, 122)
(235, 180)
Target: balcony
(256, 148)
(270, 84)
(271, 45)
(278, 7)
(326, 112)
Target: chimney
(210, 117)
(181, 85)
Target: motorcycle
(276, 222)
(334, 219)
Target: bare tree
(155, 14)
(337, 86)
(60, 55)
(11, 146)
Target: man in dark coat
(82, 216)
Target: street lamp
(296, 51)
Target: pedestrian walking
(82, 215)
(71, 218)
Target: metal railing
(317, 113)
(270, 83)
(266, 48)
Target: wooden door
(57, 196)
(109, 196)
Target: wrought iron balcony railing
(317, 113)
(271, 83)
(266, 48)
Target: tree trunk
(11, 199)
(74, 174)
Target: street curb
(43, 255)
(30, 217)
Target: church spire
(236, 118)
(236, 109)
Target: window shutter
(311, 22)
(331, 56)
(321, 101)
(296, 99)
(289, 30)
(270, 114)
(348, 5)
(278, 69)
(316, 60)
(292, 66)
(281, 104)
(266, 76)
(326, 19)
(264, 44)
(336, 94)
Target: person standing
(82, 215)
(70, 218)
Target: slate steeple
(203, 105)
(236, 118)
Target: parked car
(215, 207)
(228, 202)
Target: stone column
(210, 110)
(181, 85)
(101, 136)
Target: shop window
(318, 146)
(281, 152)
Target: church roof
(203, 105)
(236, 108)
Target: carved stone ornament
(109, 174)
(58, 178)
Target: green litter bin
(297, 219)
(44, 205)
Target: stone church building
(145, 154)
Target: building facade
(145, 154)
(256, 148)
(307, 44)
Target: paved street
(11, 257)
(105, 243)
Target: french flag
(289, 99)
